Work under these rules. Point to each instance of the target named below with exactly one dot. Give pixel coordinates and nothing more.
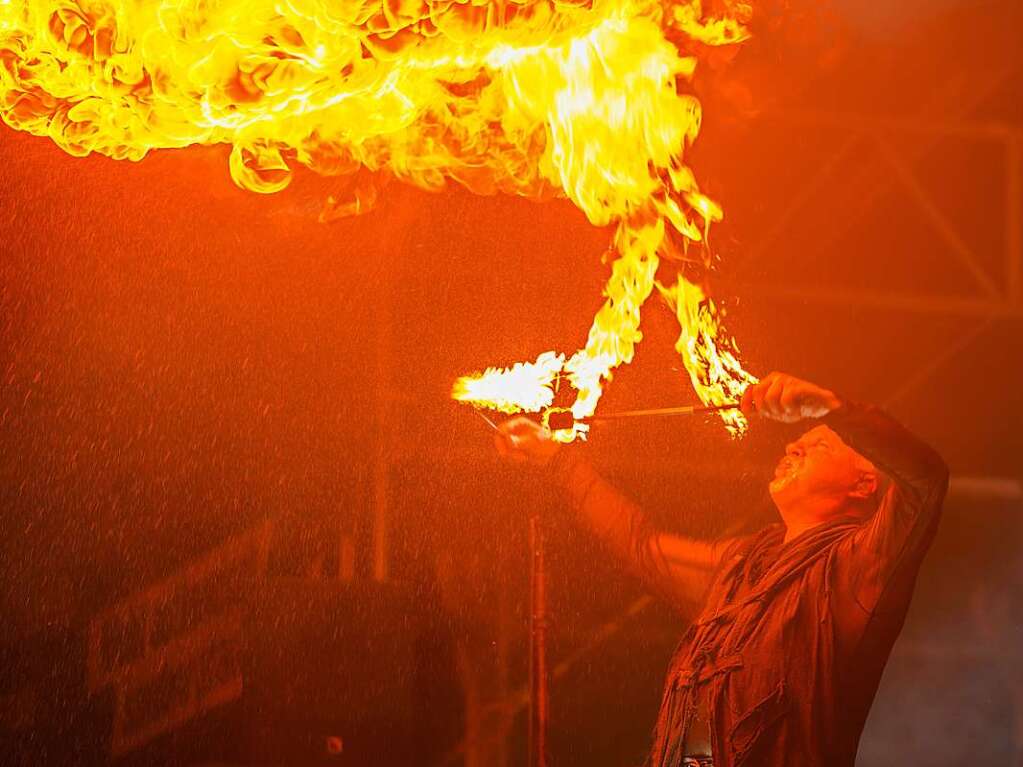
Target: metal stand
(538, 692)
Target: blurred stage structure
(227, 661)
(174, 651)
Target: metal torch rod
(662, 411)
(564, 420)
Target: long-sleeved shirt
(790, 640)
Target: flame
(524, 387)
(584, 98)
(709, 357)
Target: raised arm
(879, 560)
(918, 472)
(676, 568)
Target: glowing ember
(584, 97)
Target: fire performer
(794, 624)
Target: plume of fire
(709, 356)
(584, 98)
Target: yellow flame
(496, 95)
(524, 387)
(581, 97)
(709, 356)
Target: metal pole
(538, 691)
(1014, 218)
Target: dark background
(182, 361)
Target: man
(795, 623)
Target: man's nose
(794, 450)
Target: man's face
(818, 466)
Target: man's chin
(780, 486)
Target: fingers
(771, 405)
(782, 397)
(746, 401)
(752, 402)
(523, 440)
(509, 447)
(791, 401)
(778, 397)
(520, 431)
(509, 436)
(520, 426)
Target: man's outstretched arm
(676, 568)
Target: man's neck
(802, 518)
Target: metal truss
(945, 116)
(992, 296)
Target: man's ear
(866, 486)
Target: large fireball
(588, 100)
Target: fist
(788, 399)
(524, 441)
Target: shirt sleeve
(676, 568)
(877, 564)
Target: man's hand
(524, 441)
(788, 399)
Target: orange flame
(710, 358)
(583, 97)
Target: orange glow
(584, 98)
